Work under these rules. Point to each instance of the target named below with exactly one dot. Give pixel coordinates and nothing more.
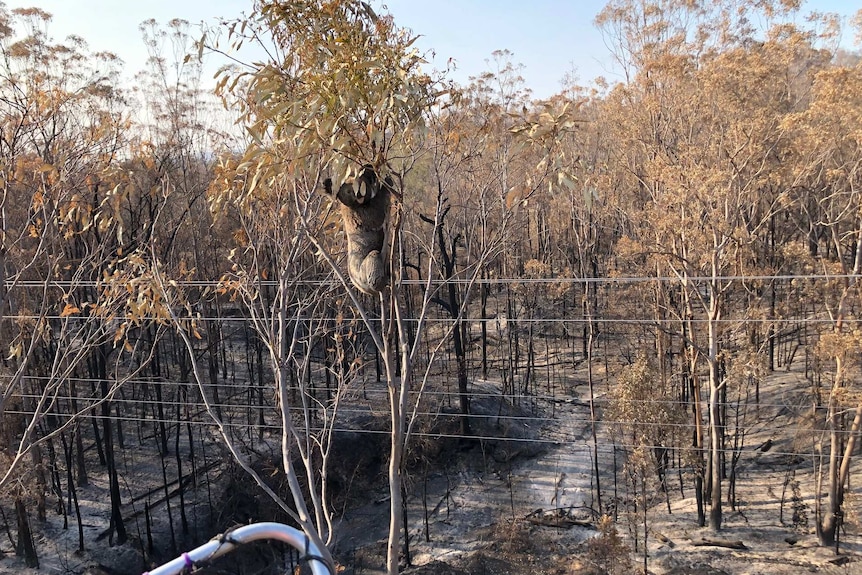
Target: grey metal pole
(229, 541)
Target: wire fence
(544, 375)
(543, 378)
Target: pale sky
(549, 37)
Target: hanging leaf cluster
(343, 88)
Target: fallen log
(664, 539)
(557, 518)
(704, 542)
(180, 486)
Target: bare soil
(482, 512)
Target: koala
(364, 207)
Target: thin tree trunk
(116, 523)
(593, 422)
(73, 493)
(715, 421)
(26, 547)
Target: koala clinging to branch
(364, 206)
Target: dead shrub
(607, 552)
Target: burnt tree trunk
(448, 257)
(25, 547)
(116, 524)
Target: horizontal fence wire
(68, 284)
(607, 446)
(599, 401)
(248, 406)
(496, 320)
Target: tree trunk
(73, 493)
(715, 456)
(483, 300)
(839, 463)
(396, 455)
(690, 373)
(716, 435)
(116, 522)
(593, 421)
(25, 547)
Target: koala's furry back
(365, 227)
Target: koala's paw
(370, 276)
